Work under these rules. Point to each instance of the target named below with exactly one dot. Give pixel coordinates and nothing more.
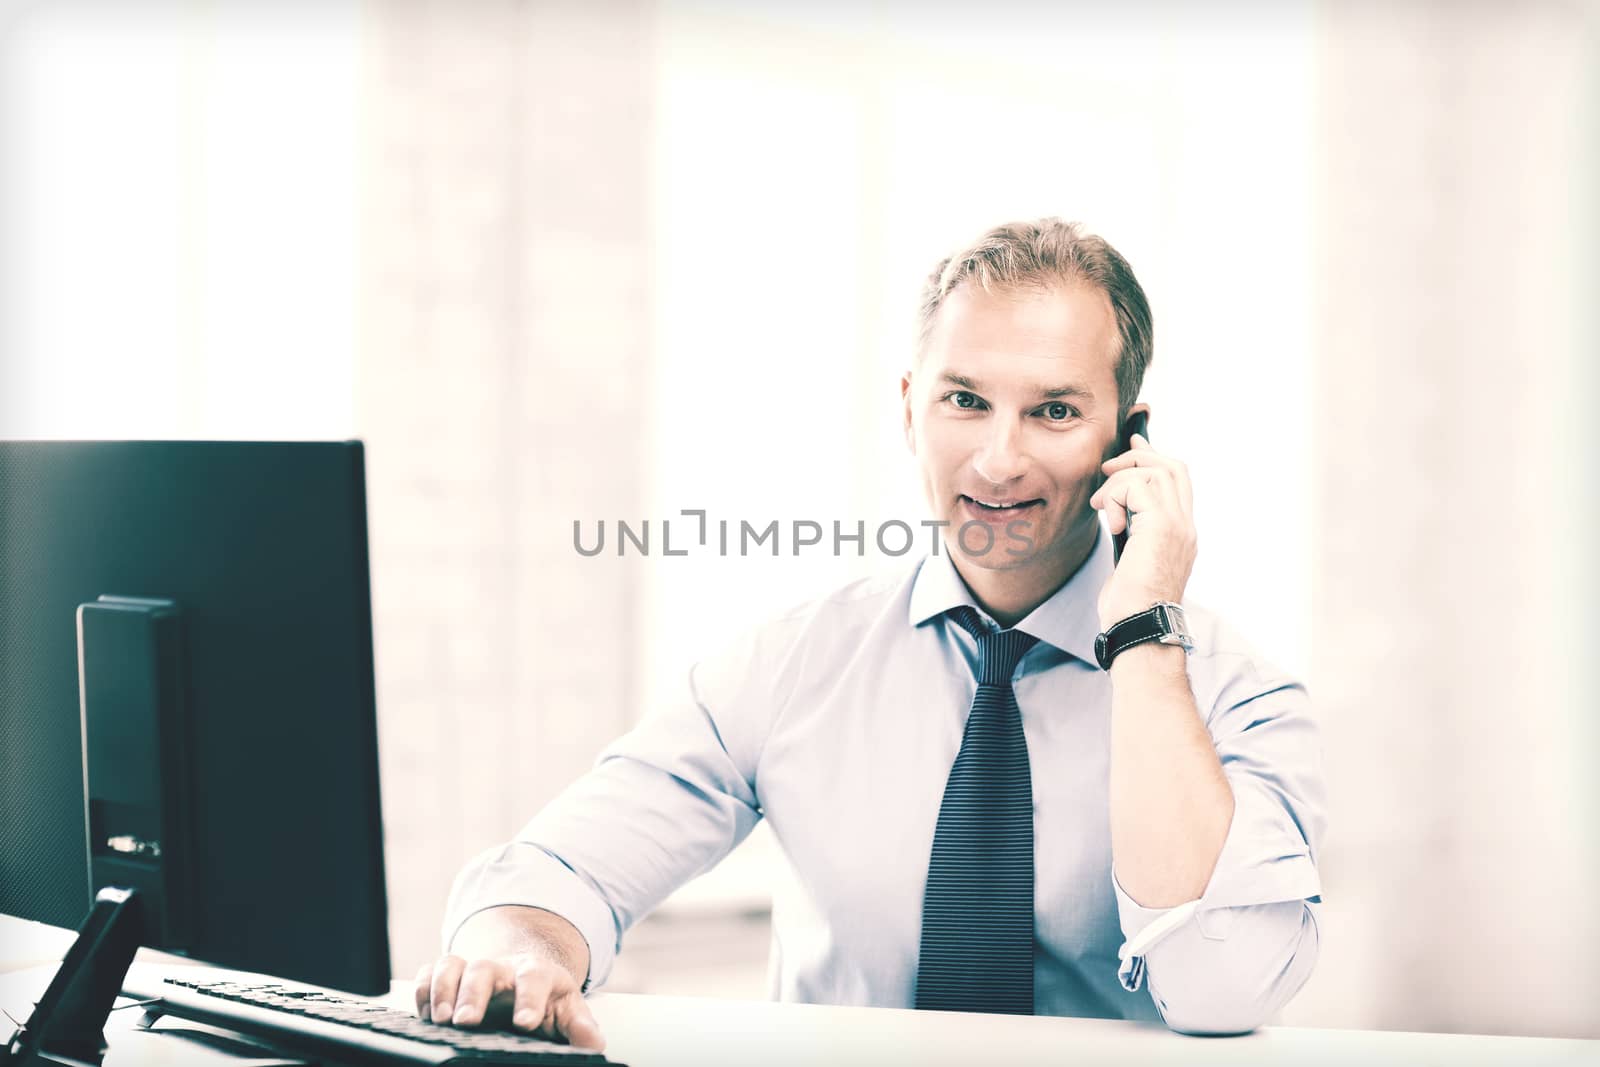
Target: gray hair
(1024, 255)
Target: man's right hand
(531, 994)
(513, 968)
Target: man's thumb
(580, 1028)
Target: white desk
(679, 1031)
(652, 1031)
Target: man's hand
(517, 968)
(534, 995)
(1161, 546)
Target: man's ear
(905, 397)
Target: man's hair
(1040, 254)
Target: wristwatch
(1164, 622)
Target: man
(977, 814)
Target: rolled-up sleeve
(662, 804)
(1227, 962)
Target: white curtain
(503, 346)
(1455, 474)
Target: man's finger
(1163, 483)
(576, 1022)
(1149, 459)
(424, 991)
(446, 980)
(1116, 516)
(480, 981)
(1139, 456)
(1140, 491)
(1146, 456)
(532, 997)
(1124, 488)
(1180, 481)
(1138, 447)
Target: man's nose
(1001, 459)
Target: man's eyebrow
(1071, 389)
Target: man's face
(1010, 412)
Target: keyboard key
(432, 1044)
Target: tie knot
(999, 651)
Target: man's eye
(1057, 412)
(963, 399)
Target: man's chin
(996, 560)
(995, 548)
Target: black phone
(1137, 423)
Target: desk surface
(655, 1031)
(678, 1031)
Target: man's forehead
(1060, 337)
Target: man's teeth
(995, 506)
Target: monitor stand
(67, 1026)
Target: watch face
(1176, 624)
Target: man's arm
(667, 801)
(1235, 936)
(1211, 816)
(1170, 802)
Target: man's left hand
(1161, 546)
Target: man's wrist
(1163, 622)
(1128, 607)
(513, 930)
(1152, 658)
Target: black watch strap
(1164, 622)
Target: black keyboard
(314, 1022)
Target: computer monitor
(187, 702)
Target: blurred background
(566, 261)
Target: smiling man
(1021, 777)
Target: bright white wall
(814, 164)
(178, 206)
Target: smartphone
(1137, 423)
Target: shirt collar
(1069, 619)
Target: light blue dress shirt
(838, 723)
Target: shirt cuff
(1142, 928)
(1264, 860)
(524, 874)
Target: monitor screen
(260, 549)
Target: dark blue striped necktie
(977, 911)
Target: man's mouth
(999, 509)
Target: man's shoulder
(854, 605)
(777, 651)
